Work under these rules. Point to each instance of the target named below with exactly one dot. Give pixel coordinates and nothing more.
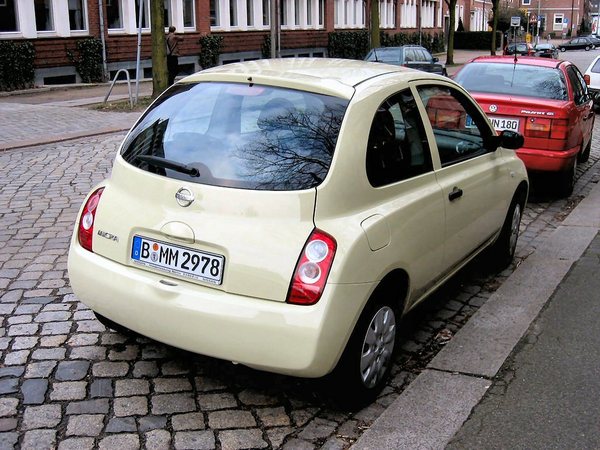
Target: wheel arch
(393, 287)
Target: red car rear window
(513, 79)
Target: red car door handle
(455, 193)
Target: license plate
(505, 124)
(183, 261)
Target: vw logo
(184, 197)
(493, 108)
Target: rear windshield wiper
(164, 163)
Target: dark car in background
(413, 56)
(546, 50)
(594, 39)
(577, 43)
(519, 48)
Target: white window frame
(26, 20)
(558, 26)
(526, 2)
(349, 14)
(178, 15)
(387, 14)
(295, 20)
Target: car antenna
(375, 53)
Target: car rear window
(596, 67)
(238, 135)
(513, 79)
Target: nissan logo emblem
(184, 197)
(493, 108)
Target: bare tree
(375, 23)
(159, 48)
(495, 4)
(452, 20)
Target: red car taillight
(312, 269)
(586, 78)
(547, 128)
(86, 221)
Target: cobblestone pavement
(68, 383)
(34, 124)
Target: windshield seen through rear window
(238, 135)
(513, 79)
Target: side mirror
(436, 59)
(511, 140)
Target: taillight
(560, 129)
(312, 269)
(586, 78)
(537, 128)
(86, 221)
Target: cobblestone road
(68, 383)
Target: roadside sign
(515, 21)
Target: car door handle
(456, 193)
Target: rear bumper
(547, 160)
(278, 337)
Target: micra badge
(109, 236)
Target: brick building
(55, 25)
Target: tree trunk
(159, 48)
(375, 24)
(452, 19)
(494, 25)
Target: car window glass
(239, 135)
(409, 55)
(458, 126)
(596, 67)
(397, 148)
(579, 86)
(513, 79)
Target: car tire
(587, 48)
(562, 49)
(114, 326)
(365, 365)
(502, 252)
(585, 154)
(566, 180)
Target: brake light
(86, 221)
(586, 78)
(312, 269)
(560, 129)
(537, 128)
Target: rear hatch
(216, 186)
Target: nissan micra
(285, 214)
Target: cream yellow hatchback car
(284, 214)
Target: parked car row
(545, 50)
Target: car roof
(527, 60)
(326, 75)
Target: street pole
(572, 10)
(539, 22)
(483, 18)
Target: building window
(77, 20)
(526, 2)
(266, 12)
(558, 22)
(189, 17)
(387, 13)
(347, 14)
(43, 15)
(250, 13)
(114, 14)
(233, 16)
(145, 13)
(8, 16)
(214, 13)
(167, 13)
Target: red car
(546, 100)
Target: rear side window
(513, 79)
(596, 67)
(238, 135)
(397, 148)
